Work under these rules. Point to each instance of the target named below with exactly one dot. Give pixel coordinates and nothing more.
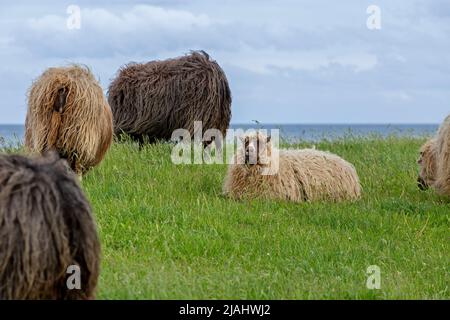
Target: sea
(14, 134)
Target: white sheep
(294, 175)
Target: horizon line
(299, 123)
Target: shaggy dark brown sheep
(46, 225)
(149, 101)
(68, 112)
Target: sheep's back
(155, 98)
(82, 129)
(323, 175)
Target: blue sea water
(11, 134)
(317, 132)
(290, 132)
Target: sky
(287, 61)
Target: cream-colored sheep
(294, 175)
(427, 164)
(434, 161)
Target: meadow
(167, 231)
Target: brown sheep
(46, 225)
(151, 100)
(68, 112)
(294, 175)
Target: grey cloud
(314, 60)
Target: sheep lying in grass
(427, 163)
(46, 226)
(302, 175)
(434, 161)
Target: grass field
(168, 233)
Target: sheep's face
(427, 165)
(256, 150)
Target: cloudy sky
(287, 61)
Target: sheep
(295, 175)
(151, 100)
(427, 165)
(434, 161)
(46, 225)
(68, 112)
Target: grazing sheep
(68, 112)
(427, 164)
(434, 161)
(151, 100)
(302, 175)
(46, 225)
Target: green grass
(168, 233)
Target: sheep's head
(255, 150)
(427, 165)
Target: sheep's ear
(269, 138)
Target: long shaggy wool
(303, 175)
(434, 161)
(68, 112)
(149, 101)
(427, 164)
(46, 225)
